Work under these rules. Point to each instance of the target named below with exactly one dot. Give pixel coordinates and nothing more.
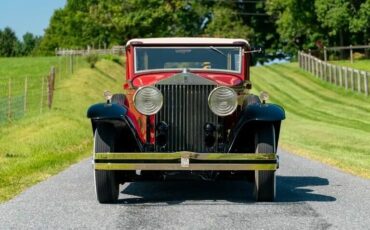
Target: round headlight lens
(223, 101)
(148, 100)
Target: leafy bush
(92, 59)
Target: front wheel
(106, 183)
(265, 181)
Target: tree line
(280, 27)
(11, 46)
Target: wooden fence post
(325, 54)
(363, 73)
(308, 62)
(25, 95)
(336, 75)
(358, 82)
(340, 77)
(51, 83)
(42, 94)
(333, 74)
(346, 77)
(322, 70)
(312, 65)
(351, 53)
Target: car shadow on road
(301, 188)
(289, 189)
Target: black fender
(249, 118)
(116, 115)
(105, 111)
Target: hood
(192, 78)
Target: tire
(106, 183)
(119, 99)
(265, 181)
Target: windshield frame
(213, 48)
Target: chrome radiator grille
(185, 110)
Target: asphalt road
(310, 195)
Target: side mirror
(252, 53)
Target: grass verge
(35, 148)
(323, 122)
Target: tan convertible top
(187, 41)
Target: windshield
(174, 58)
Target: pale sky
(27, 15)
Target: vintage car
(187, 113)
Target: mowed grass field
(23, 84)
(357, 64)
(323, 122)
(37, 147)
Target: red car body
(187, 111)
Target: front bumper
(186, 161)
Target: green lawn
(357, 64)
(36, 147)
(21, 67)
(24, 79)
(323, 122)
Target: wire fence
(21, 96)
(349, 78)
(33, 95)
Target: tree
(30, 42)
(8, 43)
(113, 22)
(361, 22)
(226, 23)
(334, 15)
(296, 23)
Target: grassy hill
(36, 147)
(323, 122)
(357, 64)
(21, 67)
(23, 84)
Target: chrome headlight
(148, 100)
(223, 101)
